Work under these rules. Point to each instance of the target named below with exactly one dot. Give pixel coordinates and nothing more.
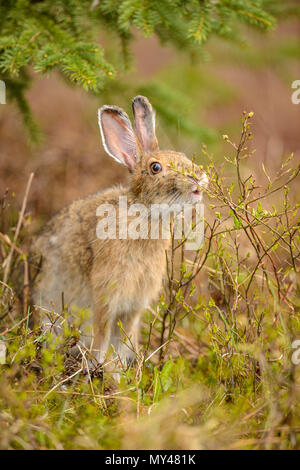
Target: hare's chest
(139, 283)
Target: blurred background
(231, 355)
(195, 102)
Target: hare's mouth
(197, 187)
(196, 192)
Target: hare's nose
(201, 181)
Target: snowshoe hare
(116, 278)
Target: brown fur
(116, 279)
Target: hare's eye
(155, 167)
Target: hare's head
(158, 176)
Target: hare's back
(63, 254)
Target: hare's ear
(144, 119)
(118, 137)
